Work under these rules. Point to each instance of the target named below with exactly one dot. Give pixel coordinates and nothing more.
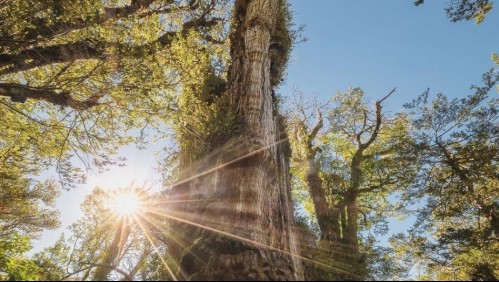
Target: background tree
(456, 140)
(109, 242)
(346, 167)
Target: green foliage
(282, 43)
(51, 262)
(466, 9)
(26, 208)
(457, 144)
(13, 261)
(92, 241)
(95, 76)
(334, 145)
(90, 76)
(202, 117)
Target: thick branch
(84, 50)
(327, 216)
(20, 93)
(121, 12)
(42, 56)
(112, 254)
(376, 187)
(46, 30)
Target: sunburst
(126, 203)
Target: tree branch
(47, 31)
(379, 120)
(42, 56)
(93, 265)
(387, 96)
(83, 50)
(20, 93)
(317, 127)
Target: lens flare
(126, 203)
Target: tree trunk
(351, 231)
(327, 216)
(237, 220)
(109, 259)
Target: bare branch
(379, 120)
(317, 127)
(93, 265)
(387, 96)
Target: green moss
(286, 35)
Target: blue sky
(378, 45)
(375, 45)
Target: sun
(126, 203)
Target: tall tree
(457, 141)
(93, 70)
(236, 222)
(346, 166)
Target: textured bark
(242, 210)
(327, 216)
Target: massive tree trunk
(236, 220)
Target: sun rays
(125, 204)
(150, 214)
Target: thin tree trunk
(351, 231)
(239, 223)
(120, 237)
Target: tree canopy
(80, 79)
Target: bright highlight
(126, 203)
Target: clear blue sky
(375, 45)
(378, 45)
